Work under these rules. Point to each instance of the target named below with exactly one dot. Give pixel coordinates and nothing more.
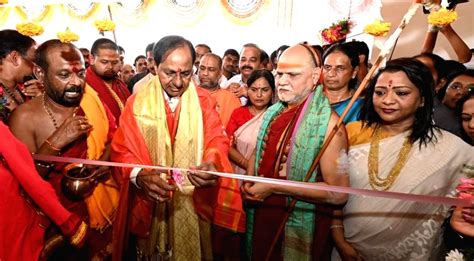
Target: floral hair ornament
(337, 31)
(442, 17)
(30, 29)
(377, 28)
(104, 25)
(67, 36)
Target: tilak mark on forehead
(390, 82)
(76, 69)
(285, 66)
(70, 54)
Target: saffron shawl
(102, 204)
(114, 97)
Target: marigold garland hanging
(67, 36)
(377, 28)
(77, 13)
(442, 17)
(30, 29)
(104, 25)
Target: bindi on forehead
(390, 83)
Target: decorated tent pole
(113, 31)
(389, 44)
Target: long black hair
(11, 40)
(439, 65)
(423, 127)
(459, 106)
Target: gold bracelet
(81, 232)
(51, 145)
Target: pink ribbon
(354, 191)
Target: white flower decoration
(455, 255)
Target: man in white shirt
(250, 60)
(230, 66)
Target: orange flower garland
(442, 17)
(377, 28)
(67, 36)
(30, 29)
(104, 25)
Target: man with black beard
(70, 120)
(102, 76)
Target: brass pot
(78, 182)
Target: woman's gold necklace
(375, 181)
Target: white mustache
(284, 89)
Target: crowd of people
(272, 116)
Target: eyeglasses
(338, 69)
